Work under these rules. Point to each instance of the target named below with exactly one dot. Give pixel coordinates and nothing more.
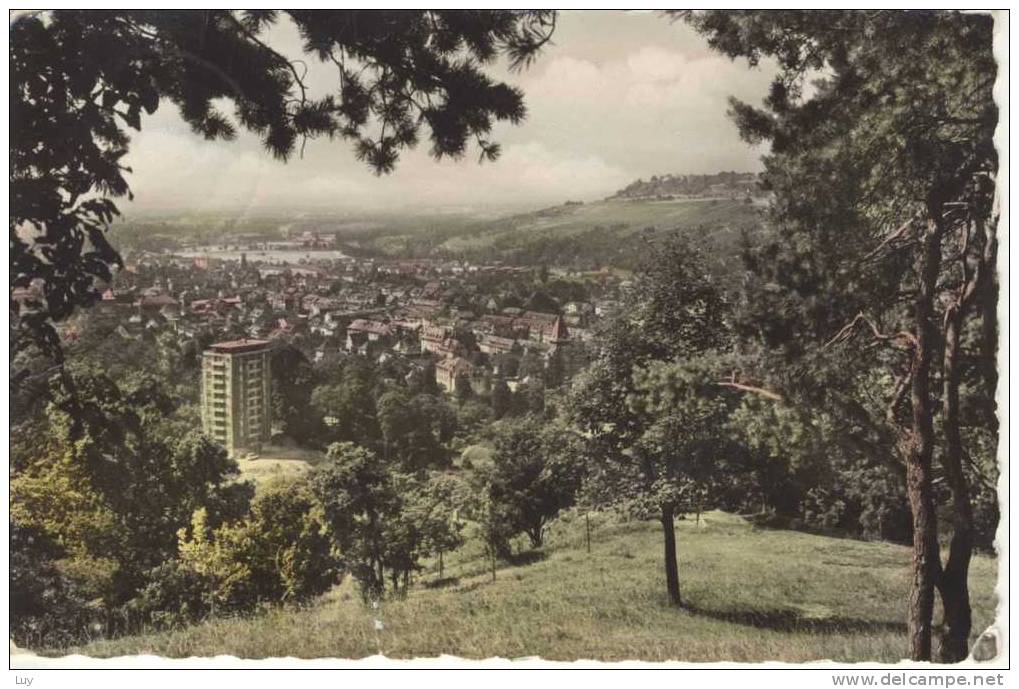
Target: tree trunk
(988, 298)
(918, 448)
(536, 535)
(979, 256)
(671, 566)
(953, 584)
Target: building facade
(448, 370)
(236, 389)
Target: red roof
(558, 331)
(239, 346)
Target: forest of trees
(847, 383)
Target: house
(119, 297)
(504, 326)
(432, 290)
(493, 344)
(557, 334)
(155, 302)
(361, 331)
(215, 305)
(448, 370)
(434, 337)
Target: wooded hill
(578, 235)
(720, 184)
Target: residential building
(236, 389)
(448, 370)
(361, 331)
(493, 344)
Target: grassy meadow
(751, 594)
(277, 461)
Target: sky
(617, 97)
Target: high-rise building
(235, 395)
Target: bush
(47, 607)
(281, 552)
(173, 595)
(289, 548)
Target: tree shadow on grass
(793, 620)
(442, 583)
(527, 557)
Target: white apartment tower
(235, 395)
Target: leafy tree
(356, 493)
(148, 469)
(491, 520)
(288, 543)
(555, 370)
(382, 521)
(79, 79)
(439, 415)
(502, 398)
(536, 473)
(506, 364)
(687, 446)
(425, 523)
(293, 382)
(473, 417)
(173, 594)
(211, 555)
(435, 511)
(898, 246)
(531, 366)
(422, 379)
(351, 402)
(529, 398)
(415, 429)
(280, 552)
(543, 301)
(110, 486)
(673, 313)
(48, 606)
(462, 389)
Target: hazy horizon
(617, 97)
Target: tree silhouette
(81, 79)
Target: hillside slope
(753, 595)
(592, 235)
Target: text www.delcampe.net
(907, 679)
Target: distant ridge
(669, 187)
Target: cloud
(620, 96)
(529, 172)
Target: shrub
(47, 607)
(174, 594)
(282, 552)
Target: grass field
(752, 595)
(278, 461)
